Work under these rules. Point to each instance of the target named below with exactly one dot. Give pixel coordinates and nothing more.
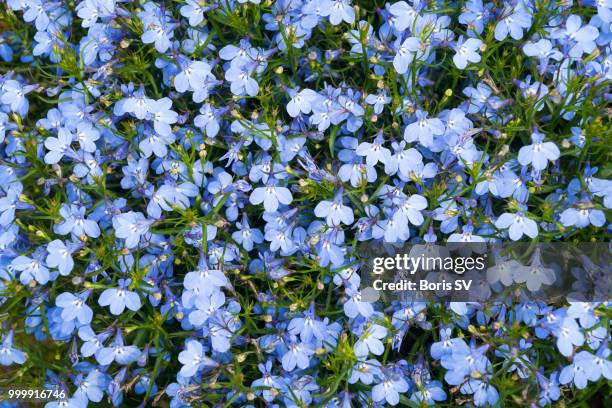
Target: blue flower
(74, 307)
(13, 94)
(354, 306)
(194, 11)
(301, 102)
(118, 352)
(582, 217)
(466, 51)
(475, 15)
(268, 385)
(131, 226)
(8, 353)
(205, 307)
(192, 76)
(308, 327)
(431, 393)
(549, 388)
(75, 222)
(91, 10)
(370, 341)
(158, 28)
(204, 281)
(423, 129)
(59, 146)
(120, 298)
(390, 388)
(544, 51)
(241, 82)
(514, 19)
(247, 236)
(518, 225)
(297, 355)
(37, 12)
(12, 202)
(374, 152)
(578, 39)
(162, 115)
(271, 195)
(60, 256)
(335, 211)
(539, 153)
(379, 101)
(338, 11)
(568, 335)
(90, 388)
(404, 15)
(31, 269)
(406, 53)
(208, 120)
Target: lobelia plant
(185, 186)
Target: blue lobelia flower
(308, 326)
(131, 226)
(518, 225)
(157, 26)
(13, 94)
(577, 39)
(297, 354)
(118, 352)
(544, 51)
(193, 74)
(539, 153)
(60, 256)
(8, 353)
(120, 298)
(268, 385)
(163, 116)
(374, 152)
(31, 269)
(247, 236)
(92, 342)
(431, 393)
(514, 19)
(549, 388)
(423, 129)
(300, 102)
(404, 15)
(86, 135)
(12, 202)
(90, 388)
(76, 223)
(194, 359)
(568, 335)
(378, 101)
(241, 82)
(59, 146)
(466, 51)
(194, 11)
(583, 216)
(406, 53)
(335, 211)
(390, 388)
(338, 11)
(208, 120)
(74, 307)
(271, 195)
(475, 15)
(370, 341)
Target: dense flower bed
(185, 186)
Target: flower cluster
(185, 186)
